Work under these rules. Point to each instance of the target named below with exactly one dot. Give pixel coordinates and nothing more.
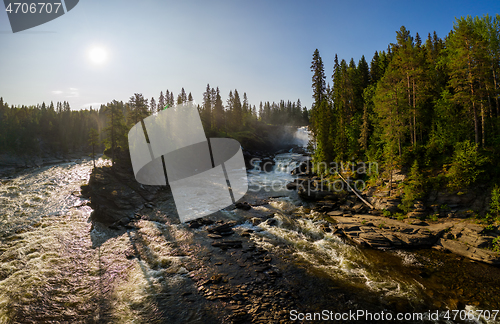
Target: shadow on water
(168, 296)
(171, 297)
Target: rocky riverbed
(452, 230)
(234, 279)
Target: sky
(105, 50)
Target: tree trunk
(93, 154)
(414, 114)
(483, 136)
(409, 105)
(496, 97)
(476, 126)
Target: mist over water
(302, 136)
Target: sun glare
(97, 55)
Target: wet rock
(243, 205)
(292, 185)
(325, 206)
(272, 222)
(223, 229)
(302, 168)
(195, 224)
(246, 233)
(234, 244)
(199, 222)
(256, 221)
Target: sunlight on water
(55, 268)
(325, 251)
(328, 252)
(49, 190)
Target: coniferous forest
(56, 129)
(422, 104)
(419, 104)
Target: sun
(98, 55)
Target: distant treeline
(31, 130)
(416, 100)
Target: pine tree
(207, 109)
(246, 111)
(183, 96)
(218, 111)
(138, 108)
(237, 116)
(321, 113)
(116, 128)
(162, 102)
(318, 79)
(93, 141)
(152, 105)
(466, 51)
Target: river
(56, 267)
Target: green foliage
(444, 207)
(466, 165)
(416, 103)
(400, 216)
(496, 244)
(413, 188)
(54, 129)
(433, 217)
(494, 212)
(490, 227)
(386, 213)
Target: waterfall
(302, 136)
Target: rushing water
(56, 267)
(418, 280)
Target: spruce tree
(93, 141)
(162, 103)
(152, 105)
(218, 111)
(138, 108)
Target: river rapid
(56, 267)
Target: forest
(430, 106)
(57, 129)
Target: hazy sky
(263, 48)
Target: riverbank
(443, 221)
(10, 163)
(272, 241)
(228, 276)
